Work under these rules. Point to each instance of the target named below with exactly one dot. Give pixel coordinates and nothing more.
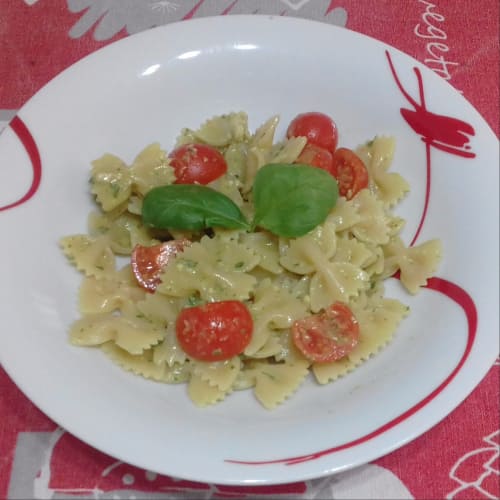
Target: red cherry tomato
(350, 172)
(327, 336)
(216, 331)
(197, 163)
(319, 129)
(316, 156)
(148, 262)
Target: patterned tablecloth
(459, 457)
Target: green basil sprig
(191, 207)
(289, 200)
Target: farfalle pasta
(286, 274)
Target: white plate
(146, 88)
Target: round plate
(146, 88)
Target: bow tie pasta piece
(109, 293)
(143, 365)
(134, 205)
(245, 379)
(231, 254)
(303, 255)
(135, 335)
(344, 215)
(265, 245)
(124, 231)
(368, 257)
(111, 181)
(92, 256)
(289, 352)
(374, 225)
(263, 138)
(220, 374)
(273, 308)
(273, 346)
(284, 152)
(378, 320)
(214, 269)
(203, 394)
(354, 252)
(375, 265)
(223, 130)
(298, 286)
(169, 351)
(236, 159)
(256, 158)
(159, 308)
(417, 264)
(377, 155)
(276, 383)
(266, 151)
(132, 334)
(287, 151)
(334, 282)
(230, 185)
(330, 281)
(163, 311)
(151, 168)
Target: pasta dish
(238, 261)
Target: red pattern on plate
(24, 135)
(442, 132)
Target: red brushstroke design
(24, 135)
(442, 132)
(463, 299)
(450, 135)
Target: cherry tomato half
(148, 262)
(350, 171)
(197, 163)
(319, 129)
(327, 336)
(216, 331)
(317, 157)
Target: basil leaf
(190, 207)
(291, 200)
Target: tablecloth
(459, 457)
